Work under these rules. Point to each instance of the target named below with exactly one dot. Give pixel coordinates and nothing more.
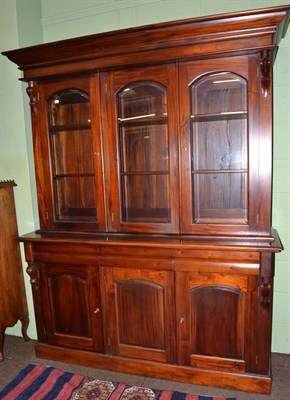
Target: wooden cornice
(237, 33)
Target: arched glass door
(71, 156)
(219, 161)
(144, 152)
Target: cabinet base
(195, 376)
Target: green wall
(29, 22)
(15, 145)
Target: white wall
(63, 19)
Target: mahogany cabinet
(153, 149)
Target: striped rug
(39, 382)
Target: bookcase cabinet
(153, 149)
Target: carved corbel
(266, 292)
(33, 96)
(265, 66)
(32, 271)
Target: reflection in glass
(219, 93)
(142, 100)
(70, 107)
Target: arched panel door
(140, 319)
(72, 299)
(216, 316)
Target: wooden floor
(19, 353)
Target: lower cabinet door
(217, 320)
(72, 306)
(140, 313)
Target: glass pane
(219, 93)
(219, 148)
(142, 100)
(72, 152)
(220, 144)
(71, 147)
(69, 108)
(220, 197)
(144, 153)
(146, 198)
(75, 198)
(144, 148)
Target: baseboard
(195, 376)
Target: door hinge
(112, 219)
